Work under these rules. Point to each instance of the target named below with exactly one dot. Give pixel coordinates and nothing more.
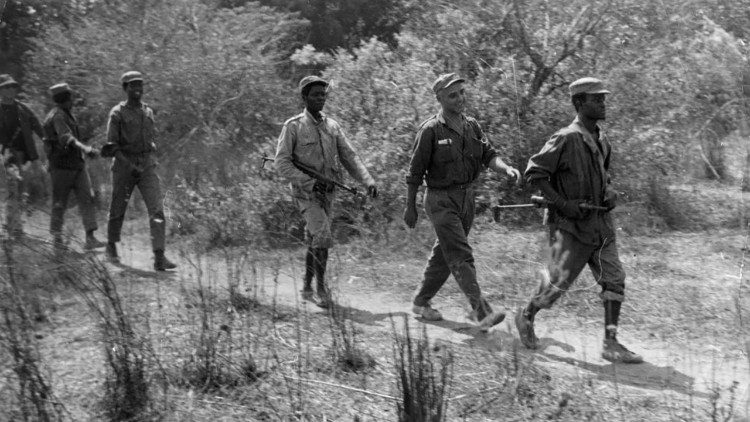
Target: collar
(441, 118)
(127, 104)
(312, 118)
(582, 128)
(68, 112)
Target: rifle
(538, 201)
(312, 173)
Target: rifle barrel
(313, 173)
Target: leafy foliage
(218, 77)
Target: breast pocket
(307, 149)
(444, 153)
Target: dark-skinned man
(450, 151)
(67, 166)
(17, 149)
(573, 168)
(131, 133)
(317, 141)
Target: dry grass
(224, 345)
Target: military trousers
(451, 212)
(568, 257)
(316, 210)
(17, 193)
(65, 181)
(123, 184)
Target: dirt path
(564, 347)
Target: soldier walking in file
(573, 169)
(318, 142)
(130, 140)
(68, 168)
(17, 149)
(450, 152)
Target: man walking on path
(17, 149)
(450, 151)
(572, 169)
(130, 140)
(68, 168)
(316, 141)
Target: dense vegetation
(221, 76)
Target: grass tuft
(423, 378)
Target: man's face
(316, 98)
(593, 107)
(453, 98)
(134, 90)
(68, 104)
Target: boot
(615, 352)
(59, 245)
(525, 327)
(161, 263)
(92, 242)
(324, 294)
(111, 252)
(307, 290)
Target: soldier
(130, 140)
(450, 151)
(67, 167)
(317, 141)
(572, 168)
(17, 148)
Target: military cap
(312, 79)
(6, 81)
(59, 89)
(587, 86)
(131, 76)
(444, 81)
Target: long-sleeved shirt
(132, 131)
(60, 133)
(445, 155)
(16, 129)
(577, 165)
(320, 145)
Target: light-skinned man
(450, 152)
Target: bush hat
(309, 80)
(131, 76)
(445, 80)
(587, 86)
(59, 89)
(6, 81)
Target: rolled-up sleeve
(113, 132)
(284, 150)
(351, 161)
(420, 157)
(36, 126)
(64, 134)
(488, 152)
(544, 163)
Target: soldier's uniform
(449, 159)
(17, 124)
(572, 168)
(68, 170)
(322, 146)
(131, 134)
(577, 164)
